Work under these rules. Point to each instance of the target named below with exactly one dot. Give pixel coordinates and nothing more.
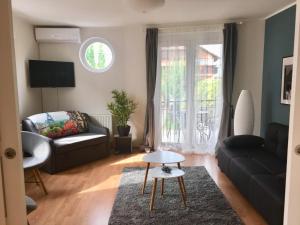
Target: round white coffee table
(157, 173)
(161, 157)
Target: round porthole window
(96, 55)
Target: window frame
(82, 52)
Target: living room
(154, 112)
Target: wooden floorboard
(85, 195)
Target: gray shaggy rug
(206, 205)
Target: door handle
(10, 153)
(297, 149)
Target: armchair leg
(35, 179)
(40, 180)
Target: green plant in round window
(98, 56)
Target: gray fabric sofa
(73, 150)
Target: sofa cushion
(241, 170)
(59, 124)
(248, 166)
(232, 153)
(269, 161)
(267, 195)
(274, 186)
(243, 141)
(276, 140)
(74, 142)
(226, 155)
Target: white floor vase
(244, 114)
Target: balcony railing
(175, 124)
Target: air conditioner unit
(57, 35)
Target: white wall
(249, 65)
(93, 91)
(25, 48)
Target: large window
(96, 55)
(189, 91)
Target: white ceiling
(98, 13)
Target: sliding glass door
(188, 91)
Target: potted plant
(121, 109)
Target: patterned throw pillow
(80, 120)
(59, 124)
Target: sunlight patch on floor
(109, 183)
(131, 159)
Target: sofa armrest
(27, 125)
(33, 143)
(93, 128)
(244, 141)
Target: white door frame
(13, 193)
(292, 191)
(2, 206)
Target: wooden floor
(85, 195)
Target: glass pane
(207, 93)
(98, 55)
(173, 98)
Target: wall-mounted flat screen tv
(51, 74)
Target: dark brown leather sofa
(74, 150)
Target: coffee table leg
(145, 179)
(153, 194)
(179, 167)
(181, 190)
(183, 185)
(162, 186)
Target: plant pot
(123, 130)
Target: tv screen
(51, 74)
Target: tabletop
(158, 173)
(165, 157)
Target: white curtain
(188, 97)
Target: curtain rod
(187, 26)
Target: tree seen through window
(98, 55)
